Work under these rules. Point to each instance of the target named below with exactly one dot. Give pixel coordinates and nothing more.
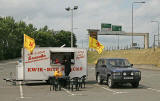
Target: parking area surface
(149, 89)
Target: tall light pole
(118, 41)
(158, 31)
(71, 9)
(132, 18)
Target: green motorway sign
(105, 25)
(116, 28)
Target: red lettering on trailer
(52, 69)
(37, 60)
(73, 69)
(41, 69)
(29, 69)
(49, 69)
(80, 55)
(39, 52)
(36, 57)
(35, 69)
(62, 69)
(80, 68)
(77, 69)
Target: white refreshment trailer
(42, 63)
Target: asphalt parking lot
(149, 89)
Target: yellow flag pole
(23, 58)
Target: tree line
(11, 37)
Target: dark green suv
(115, 71)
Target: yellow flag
(93, 43)
(29, 43)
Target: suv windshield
(119, 62)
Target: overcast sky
(90, 15)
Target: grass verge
(142, 56)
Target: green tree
(64, 37)
(12, 33)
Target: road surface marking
(113, 91)
(70, 93)
(21, 90)
(156, 90)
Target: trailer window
(58, 57)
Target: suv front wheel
(110, 82)
(99, 80)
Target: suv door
(98, 66)
(103, 69)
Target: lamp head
(140, 2)
(75, 7)
(143, 2)
(67, 9)
(154, 21)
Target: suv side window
(99, 63)
(103, 62)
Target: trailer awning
(62, 50)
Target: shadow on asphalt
(91, 82)
(128, 86)
(44, 83)
(36, 84)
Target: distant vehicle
(135, 47)
(115, 71)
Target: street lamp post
(158, 31)
(154, 42)
(132, 18)
(71, 9)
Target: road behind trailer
(45, 60)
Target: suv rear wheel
(99, 79)
(110, 82)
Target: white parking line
(113, 91)
(70, 93)
(156, 90)
(21, 90)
